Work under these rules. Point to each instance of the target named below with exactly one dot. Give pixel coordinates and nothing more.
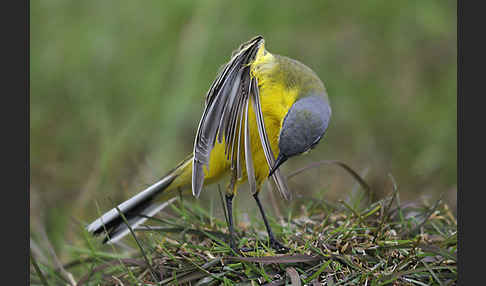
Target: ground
(353, 242)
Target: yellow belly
(275, 103)
(276, 100)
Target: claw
(276, 245)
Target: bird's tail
(138, 208)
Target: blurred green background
(117, 91)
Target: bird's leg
(275, 244)
(230, 193)
(229, 207)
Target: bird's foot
(274, 244)
(234, 247)
(247, 249)
(242, 249)
(279, 247)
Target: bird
(260, 110)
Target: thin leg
(229, 208)
(273, 242)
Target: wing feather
(267, 149)
(248, 157)
(238, 150)
(225, 117)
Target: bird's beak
(280, 160)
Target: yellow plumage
(276, 99)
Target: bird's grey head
(303, 127)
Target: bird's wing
(225, 117)
(279, 180)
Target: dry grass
(381, 243)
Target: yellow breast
(276, 99)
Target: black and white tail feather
(136, 210)
(225, 114)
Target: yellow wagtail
(260, 106)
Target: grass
(353, 242)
